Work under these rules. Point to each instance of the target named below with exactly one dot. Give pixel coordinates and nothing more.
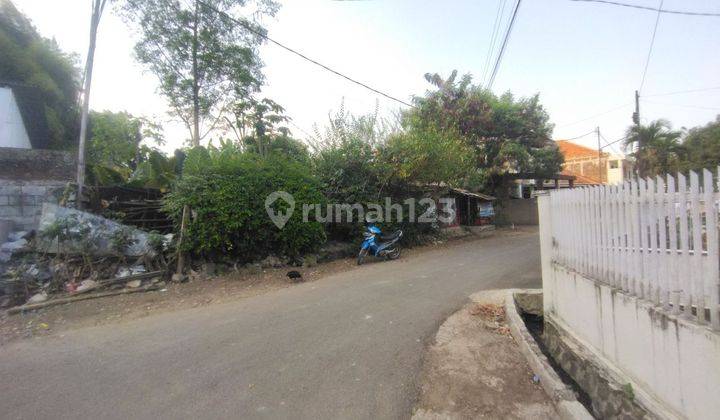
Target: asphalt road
(347, 346)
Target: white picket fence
(656, 239)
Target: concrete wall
(36, 164)
(12, 128)
(29, 178)
(672, 363)
(518, 212)
(21, 202)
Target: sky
(585, 60)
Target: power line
(682, 91)
(595, 115)
(504, 44)
(612, 142)
(303, 56)
(581, 136)
(493, 38)
(683, 106)
(652, 43)
(660, 10)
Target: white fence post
(654, 238)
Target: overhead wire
(678, 92)
(610, 144)
(660, 10)
(581, 136)
(682, 105)
(504, 45)
(301, 55)
(652, 43)
(493, 38)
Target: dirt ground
(475, 370)
(229, 287)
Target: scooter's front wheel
(361, 256)
(394, 254)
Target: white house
(12, 127)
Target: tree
(257, 122)
(657, 148)
(506, 135)
(427, 157)
(702, 147)
(204, 60)
(118, 143)
(345, 157)
(37, 64)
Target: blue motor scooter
(378, 245)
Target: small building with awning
(470, 208)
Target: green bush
(226, 191)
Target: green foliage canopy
(121, 147)
(657, 148)
(702, 147)
(38, 63)
(204, 61)
(226, 190)
(507, 134)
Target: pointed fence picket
(654, 238)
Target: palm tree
(656, 147)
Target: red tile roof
(572, 150)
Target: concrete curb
(565, 401)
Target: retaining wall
(671, 363)
(29, 178)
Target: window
(614, 164)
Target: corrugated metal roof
(472, 194)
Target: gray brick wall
(21, 201)
(37, 164)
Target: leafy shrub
(226, 191)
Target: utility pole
(639, 170)
(97, 10)
(597, 131)
(636, 114)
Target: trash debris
(76, 253)
(86, 285)
(129, 271)
(38, 297)
(536, 379)
(60, 301)
(86, 233)
(137, 269)
(9, 248)
(16, 236)
(134, 284)
(493, 316)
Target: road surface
(346, 346)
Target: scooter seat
(391, 237)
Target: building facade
(591, 167)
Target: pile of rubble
(75, 256)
